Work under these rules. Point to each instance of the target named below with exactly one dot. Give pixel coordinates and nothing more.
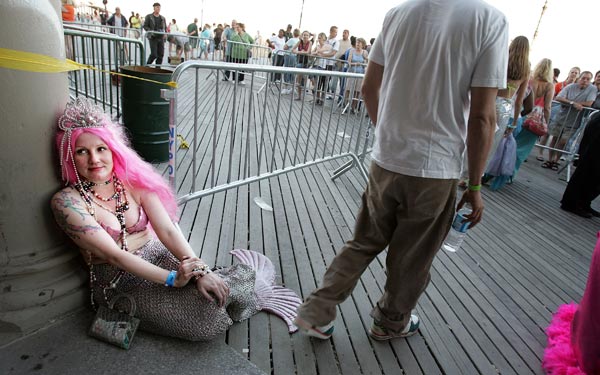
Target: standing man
(288, 33)
(572, 99)
(192, 32)
(409, 202)
(155, 22)
(119, 22)
(344, 45)
(335, 47)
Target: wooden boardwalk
(484, 311)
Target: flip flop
(539, 158)
(547, 164)
(554, 166)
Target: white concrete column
(40, 274)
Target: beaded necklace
(85, 189)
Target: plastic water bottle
(458, 231)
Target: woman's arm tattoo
(63, 204)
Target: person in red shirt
(572, 77)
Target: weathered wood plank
(487, 305)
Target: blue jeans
(289, 61)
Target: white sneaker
(242, 83)
(286, 91)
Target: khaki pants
(409, 215)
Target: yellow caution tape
(35, 62)
(182, 142)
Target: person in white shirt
(276, 43)
(421, 128)
(344, 45)
(335, 47)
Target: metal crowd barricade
(337, 88)
(105, 53)
(259, 55)
(242, 135)
(124, 32)
(193, 47)
(570, 132)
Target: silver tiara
(79, 114)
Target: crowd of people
(231, 43)
(565, 106)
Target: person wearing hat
(154, 22)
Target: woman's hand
(186, 271)
(212, 285)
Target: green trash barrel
(145, 113)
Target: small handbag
(115, 327)
(535, 122)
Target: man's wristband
(170, 282)
(474, 187)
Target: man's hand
(211, 284)
(473, 198)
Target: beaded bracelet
(204, 270)
(170, 282)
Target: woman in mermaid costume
(121, 214)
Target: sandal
(554, 166)
(539, 158)
(547, 164)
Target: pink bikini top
(140, 226)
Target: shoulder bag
(115, 327)
(535, 122)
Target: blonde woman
(542, 90)
(321, 50)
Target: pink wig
(128, 166)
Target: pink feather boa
(559, 358)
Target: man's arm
(370, 89)
(480, 133)
(147, 25)
(577, 105)
(331, 53)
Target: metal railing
(124, 32)
(242, 135)
(565, 131)
(105, 52)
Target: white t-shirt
(344, 46)
(278, 42)
(433, 52)
(119, 23)
(335, 45)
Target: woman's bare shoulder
(66, 198)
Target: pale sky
(566, 33)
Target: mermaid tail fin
(275, 299)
